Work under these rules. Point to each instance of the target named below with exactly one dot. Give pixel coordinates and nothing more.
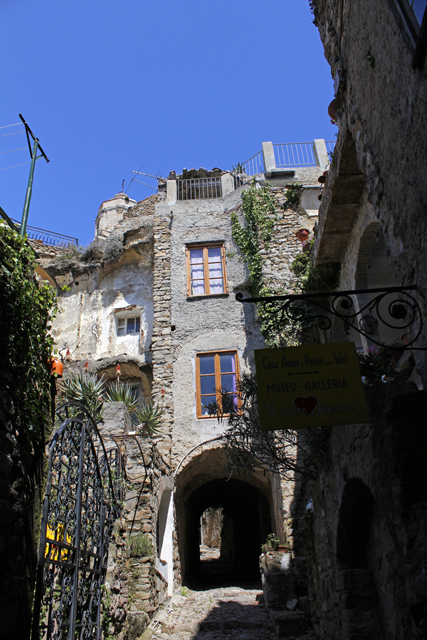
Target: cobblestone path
(226, 613)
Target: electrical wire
(10, 134)
(10, 125)
(17, 165)
(10, 151)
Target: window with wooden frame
(206, 269)
(217, 372)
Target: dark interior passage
(245, 525)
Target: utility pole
(34, 157)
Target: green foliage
(293, 195)
(238, 168)
(271, 544)
(85, 388)
(151, 416)
(184, 591)
(315, 279)
(377, 366)
(119, 392)
(139, 546)
(26, 346)
(284, 451)
(106, 613)
(259, 209)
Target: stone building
(155, 294)
(368, 554)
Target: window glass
(207, 385)
(227, 363)
(217, 374)
(206, 267)
(207, 364)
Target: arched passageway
(245, 525)
(244, 515)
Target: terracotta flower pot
(333, 108)
(57, 367)
(302, 234)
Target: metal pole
(29, 189)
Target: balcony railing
(254, 165)
(199, 188)
(330, 146)
(294, 154)
(47, 237)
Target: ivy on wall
(259, 210)
(315, 278)
(25, 343)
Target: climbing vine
(25, 343)
(315, 278)
(259, 210)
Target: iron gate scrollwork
(82, 501)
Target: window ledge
(208, 295)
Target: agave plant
(85, 388)
(119, 392)
(150, 415)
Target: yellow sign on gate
(311, 386)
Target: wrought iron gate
(82, 501)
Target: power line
(16, 165)
(9, 125)
(10, 151)
(10, 134)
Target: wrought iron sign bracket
(392, 307)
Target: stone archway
(247, 508)
(355, 553)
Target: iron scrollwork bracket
(371, 309)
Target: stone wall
(380, 155)
(364, 540)
(137, 582)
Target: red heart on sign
(309, 403)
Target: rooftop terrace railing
(199, 188)
(47, 237)
(294, 154)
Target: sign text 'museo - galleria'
(317, 385)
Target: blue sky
(107, 85)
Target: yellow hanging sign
(310, 386)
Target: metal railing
(330, 146)
(47, 237)
(294, 154)
(254, 165)
(199, 188)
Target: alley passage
(226, 613)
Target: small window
(216, 372)
(206, 270)
(126, 326)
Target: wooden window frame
(233, 352)
(205, 246)
(126, 319)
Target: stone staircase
(284, 583)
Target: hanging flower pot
(57, 367)
(333, 108)
(323, 179)
(302, 234)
